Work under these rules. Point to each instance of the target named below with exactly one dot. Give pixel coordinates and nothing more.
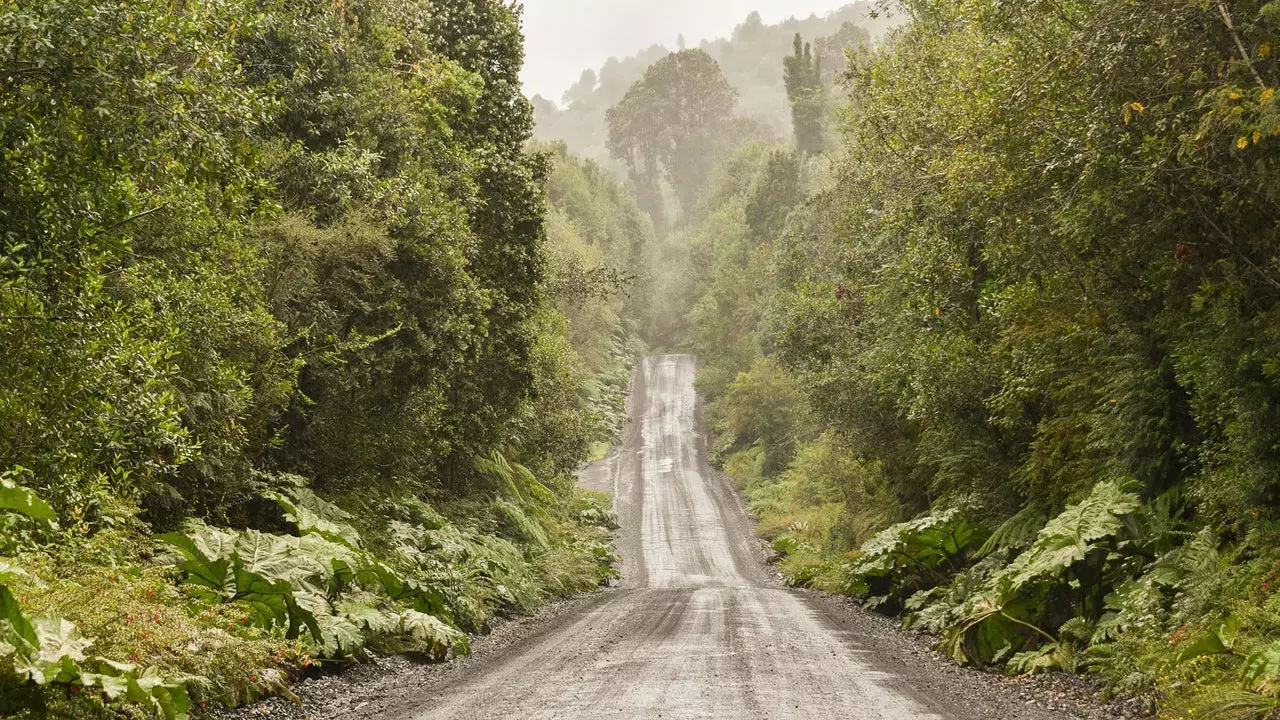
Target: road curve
(696, 631)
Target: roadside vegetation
(991, 345)
(300, 344)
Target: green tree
(672, 125)
(802, 75)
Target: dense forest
(1002, 359)
(749, 59)
(300, 343)
(303, 332)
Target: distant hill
(751, 58)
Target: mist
(565, 37)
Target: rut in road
(696, 630)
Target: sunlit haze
(565, 37)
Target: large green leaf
(1008, 599)
(17, 633)
(339, 637)
(433, 634)
(339, 563)
(267, 600)
(166, 696)
(313, 514)
(275, 558)
(1262, 666)
(207, 564)
(914, 555)
(19, 499)
(59, 652)
(1066, 539)
(365, 612)
(10, 573)
(1214, 643)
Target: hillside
(751, 59)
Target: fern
(1237, 705)
(1005, 610)
(1078, 629)
(517, 480)
(520, 525)
(1016, 533)
(1262, 668)
(1066, 539)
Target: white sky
(565, 37)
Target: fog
(565, 37)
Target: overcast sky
(566, 37)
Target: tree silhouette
(672, 124)
(802, 75)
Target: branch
(1231, 28)
(36, 318)
(1027, 625)
(130, 219)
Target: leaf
(1015, 533)
(432, 633)
(10, 573)
(267, 600)
(166, 696)
(19, 499)
(16, 631)
(202, 569)
(921, 541)
(314, 515)
(1066, 539)
(339, 637)
(273, 557)
(365, 613)
(339, 563)
(1262, 666)
(1209, 644)
(60, 649)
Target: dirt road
(697, 630)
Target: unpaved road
(697, 629)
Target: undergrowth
(1120, 588)
(136, 625)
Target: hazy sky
(566, 37)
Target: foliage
(48, 651)
(671, 124)
(913, 556)
(750, 57)
(1036, 284)
(271, 266)
(314, 583)
(806, 92)
(1078, 547)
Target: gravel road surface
(699, 628)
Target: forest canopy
(290, 361)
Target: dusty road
(697, 630)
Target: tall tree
(802, 74)
(672, 124)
